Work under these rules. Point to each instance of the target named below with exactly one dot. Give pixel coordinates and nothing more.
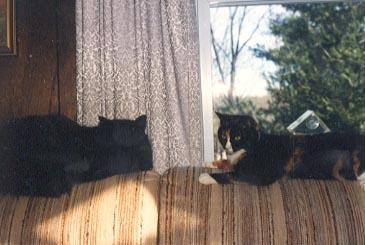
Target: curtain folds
(142, 57)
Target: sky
(250, 79)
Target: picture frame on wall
(7, 27)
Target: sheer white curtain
(141, 57)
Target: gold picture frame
(7, 27)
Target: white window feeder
(308, 123)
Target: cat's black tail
(222, 178)
(217, 178)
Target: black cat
(47, 155)
(261, 159)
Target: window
(289, 57)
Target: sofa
(145, 208)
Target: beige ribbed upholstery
(175, 209)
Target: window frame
(203, 13)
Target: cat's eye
(237, 138)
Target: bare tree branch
(240, 24)
(228, 49)
(226, 30)
(219, 46)
(252, 33)
(217, 57)
(232, 15)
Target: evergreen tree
(321, 65)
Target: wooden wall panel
(13, 70)
(67, 57)
(30, 82)
(41, 85)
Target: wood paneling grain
(30, 82)
(67, 57)
(41, 86)
(13, 69)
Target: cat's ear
(219, 115)
(141, 121)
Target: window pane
(275, 62)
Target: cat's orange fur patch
(357, 162)
(223, 164)
(293, 161)
(336, 170)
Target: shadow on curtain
(141, 57)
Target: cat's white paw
(362, 184)
(236, 156)
(361, 180)
(206, 179)
(361, 177)
(242, 151)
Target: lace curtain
(139, 57)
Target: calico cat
(262, 159)
(47, 155)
